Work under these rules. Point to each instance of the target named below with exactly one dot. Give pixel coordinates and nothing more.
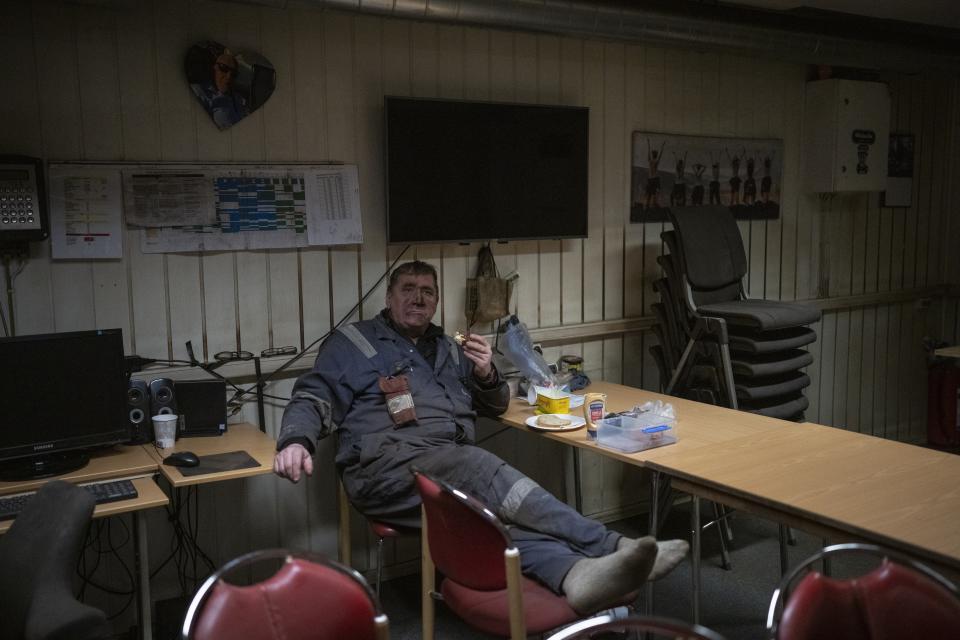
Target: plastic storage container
(630, 434)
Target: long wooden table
(836, 483)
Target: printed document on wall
(333, 205)
(85, 213)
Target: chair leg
(784, 555)
(518, 625)
(427, 581)
(379, 563)
(724, 554)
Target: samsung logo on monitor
(41, 447)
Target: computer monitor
(61, 394)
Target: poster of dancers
(670, 170)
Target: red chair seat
(489, 611)
(891, 602)
(295, 602)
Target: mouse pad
(229, 461)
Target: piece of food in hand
(459, 338)
(552, 420)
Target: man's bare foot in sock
(669, 554)
(595, 583)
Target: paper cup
(165, 430)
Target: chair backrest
(308, 597)
(602, 625)
(711, 249)
(899, 599)
(38, 558)
(467, 541)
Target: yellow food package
(550, 401)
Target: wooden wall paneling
(879, 373)
(891, 425)
(137, 78)
(550, 267)
(96, 64)
(858, 237)
(852, 420)
(71, 281)
(339, 63)
(646, 77)
(20, 121)
(571, 251)
(928, 135)
(841, 355)
(813, 391)
(310, 100)
(759, 92)
(22, 131)
(616, 200)
(901, 225)
(178, 130)
(593, 257)
(792, 86)
(525, 89)
(922, 165)
(950, 265)
(368, 99)
(634, 277)
(924, 325)
(279, 133)
(772, 77)
(865, 373)
(872, 216)
(939, 115)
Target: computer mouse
(182, 459)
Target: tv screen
(62, 392)
(459, 171)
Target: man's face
(224, 72)
(411, 302)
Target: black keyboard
(111, 491)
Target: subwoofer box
(202, 405)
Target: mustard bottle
(594, 408)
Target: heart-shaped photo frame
(229, 85)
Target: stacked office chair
(309, 597)
(653, 627)
(715, 345)
(901, 599)
(482, 582)
(38, 558)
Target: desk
(113, 464)
(823, 479)
(244, 436)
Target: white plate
(575, 423)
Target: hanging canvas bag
(488, 295)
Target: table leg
(653, 529)
(142, 567)
(784, 558)
(695, 556)
(578, 494)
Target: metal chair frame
(602, 624)
(781, 593)
(199, 599)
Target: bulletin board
(181, 207)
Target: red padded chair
(482, 581)
(308, 597)
(601, 625)
(900, 599)
(381, 530)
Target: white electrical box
(846, 136)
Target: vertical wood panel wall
(101, 84)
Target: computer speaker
(162, 399)
(138, 412)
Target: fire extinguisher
(943, 404)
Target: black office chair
(38, 557)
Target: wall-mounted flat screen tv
(459, 171)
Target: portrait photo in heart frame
(230, 85)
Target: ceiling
(942, 13)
